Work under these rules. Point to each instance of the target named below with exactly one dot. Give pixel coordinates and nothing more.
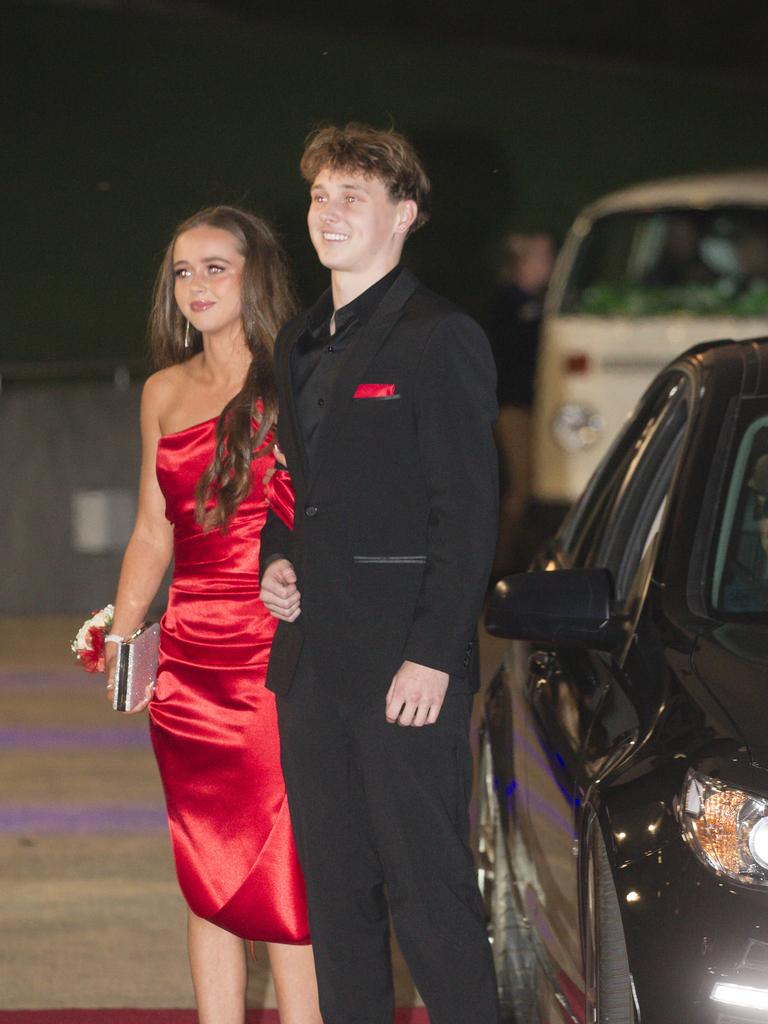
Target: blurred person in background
(513, 324)
(207, 417)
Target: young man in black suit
(386, 411)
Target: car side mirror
(564, 607)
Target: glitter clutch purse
(136, 666)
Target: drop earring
(186, 335)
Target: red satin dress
(213, 722)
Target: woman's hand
(279, 463)
(279, 456)
(149, 693)
(110, 663)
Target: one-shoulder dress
(213, 722)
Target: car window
(588, 514)
(638, 514)
(711, 262)
(739, 580)
(585, 515)
(623, 510)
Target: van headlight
(727, 828)
(576, 426)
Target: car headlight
(727, 828)
(575, 426)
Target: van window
(710, 262)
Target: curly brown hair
(267, 302)
(374, 153)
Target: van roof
(693, 190)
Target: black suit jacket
(396, 517)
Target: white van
(644, 274)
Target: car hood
(732, 662)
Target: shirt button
(330, 349)
(321, 402)
(310, 510)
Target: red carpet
(403, 1015)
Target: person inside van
(751, 249)
(680, 262)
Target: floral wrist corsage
(88, 645)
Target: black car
(624, 749)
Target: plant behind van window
(634, 300)
(701, 262)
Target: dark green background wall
(118, 124)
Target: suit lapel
(356, 360)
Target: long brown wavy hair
(267, 302)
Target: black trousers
(380, 815)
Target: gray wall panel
(56, 445)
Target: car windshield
(740, 576)
(710, 262)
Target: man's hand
(279, 592)
(416, 695)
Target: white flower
(102, 619)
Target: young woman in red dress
(206, 419)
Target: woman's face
(208, 268)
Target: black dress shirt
(318, 354)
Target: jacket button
(310, 510)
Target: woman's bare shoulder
(163, 388)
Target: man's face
(354, 224)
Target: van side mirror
(564, 607)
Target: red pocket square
(374, 390)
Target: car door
(566, 691)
